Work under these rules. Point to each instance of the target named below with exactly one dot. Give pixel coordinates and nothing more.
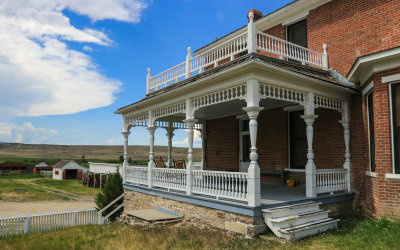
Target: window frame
(370, 93)
(392, 127)
(288, 25)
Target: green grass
(8, 186)
(354, 233)
(73, 186)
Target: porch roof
(292, 67)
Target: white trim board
(392, 176)
(371, 174)
(391, 78)
(367, 89)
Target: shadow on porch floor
(276, 193)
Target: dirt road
(7, 208)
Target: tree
(112, 190)
(83, 159)
(121, 158)
(130, 160)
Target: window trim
(297, 21)
(370, 92)
(392, 139)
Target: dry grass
(16, 150)
(355, 233)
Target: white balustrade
(331, 180)
(285, 49)
(230, 185)
(172, 179)
(169, 76)
(136, 175)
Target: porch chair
(180, 164)
(159, 162)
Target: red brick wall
(354, 28)
(222, 145)
(382, 195)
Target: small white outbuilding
(68, 169)
(104, 168)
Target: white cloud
(25, 133)
(87, 48)
(184, 142)
(39, 73)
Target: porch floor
(276, 193)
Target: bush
(112, 189)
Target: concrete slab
(152, 215)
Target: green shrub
(112, 189)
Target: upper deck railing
(251, 41)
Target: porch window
(297, 33)
(298, 140)
(371, 128)
(396, 126)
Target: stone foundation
(248, 226)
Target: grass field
(354, 233)
(14, 151)
(39, 187)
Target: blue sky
(94, 60)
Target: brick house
(308, 93)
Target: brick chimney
(257, 14)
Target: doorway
(297, 140)
(244, 145)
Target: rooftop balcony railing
(252, 41)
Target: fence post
(325, 57)
(251, 35)
(100, 220)
(188, 64)
(74, 218)
(27, 225)
(148, 81)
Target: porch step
(151, 217)
(299, 220)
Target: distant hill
(104, 152)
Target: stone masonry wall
(197, 215)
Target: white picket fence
(46, 221)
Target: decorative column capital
(151, 130)
(309, 119)
(190, 122)
(345, 123)
(126, 134)
(253, 112)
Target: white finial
(325, 46)
(148, 71)
(251, 16)
(189, 49)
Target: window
(298, 140)
(56, 172)
(297, 33)
(371, 128)
(396, 125)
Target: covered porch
(242, 181)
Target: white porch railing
(285, 49)
(231, 185)
(250, 41)
(136, 175)
(45, 221)
(331, 180)
(218, 184)
(169, 178)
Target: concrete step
(288, 210)
(308, 229)
(151, 217)
(297, 219)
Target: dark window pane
(298, 140)
(245, 125)
(297, 33)
(370, 104)
(246, 148)
(396, 126)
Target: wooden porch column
(311, 171)
(190, 122)
(151, 164)
(125, 164)
(170, 134)
(347, 155)
(253, 109)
